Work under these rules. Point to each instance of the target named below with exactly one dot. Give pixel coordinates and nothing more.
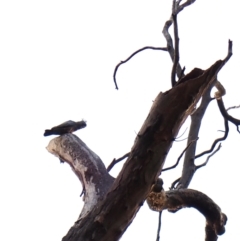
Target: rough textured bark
(86, 165)
(110, 217)
(174, 200)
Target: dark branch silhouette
(174, 183)
(226, 115)
(233, 107)
(179, 158)
(216, 141)
(159, 225)
(126, 60)
(176, 52)
(174, 200)
(115, 161)
(205, 163)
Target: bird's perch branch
(86, 165)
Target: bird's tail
(47, 133)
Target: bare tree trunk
(113, 212)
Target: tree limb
(179, 158)
(226, 115)
(126, 60)
(217, 140)
(115, 161)
(145, 161)
(88, 167)
(174, 200)
(176, 51)
(205, 163)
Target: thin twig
(170, 47)
(176, 51)
(159, 225)
(181, 134)
(182, 73)
(226, 115)
(174, 183)
(179, 158)
(233, 107)
(187, 3)
(136, 52)
(177, 8)
(205, 163)
(115, 161)
(181, 140)
(217, 140)
(229, 51)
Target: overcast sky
(57, 61)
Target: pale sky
(57, 61)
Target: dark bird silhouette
(66, 127)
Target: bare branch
(170, 47)
(176, 51)
(88, 167)
(115, 161)
(187, 3)
(205, 163)
(217, 140)
(189, 167)
(226, 115)
(174, 183)
(179, 158)
(177, 8)
(136, 52)
(181, 134)
(159, 225)
(175, 200)
(233, 107)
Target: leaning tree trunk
(111, 205)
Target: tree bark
(110, 217)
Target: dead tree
(110, 205)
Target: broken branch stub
(88, 167)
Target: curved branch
(174, 183)
(88, 167)
(205, 163)
(217, 140)
(136, 52)
(175, 200)
(177, 8)
(226, 115)
(170, 47)
(179, 158)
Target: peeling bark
(88, 167)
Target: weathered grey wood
(88, 167)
